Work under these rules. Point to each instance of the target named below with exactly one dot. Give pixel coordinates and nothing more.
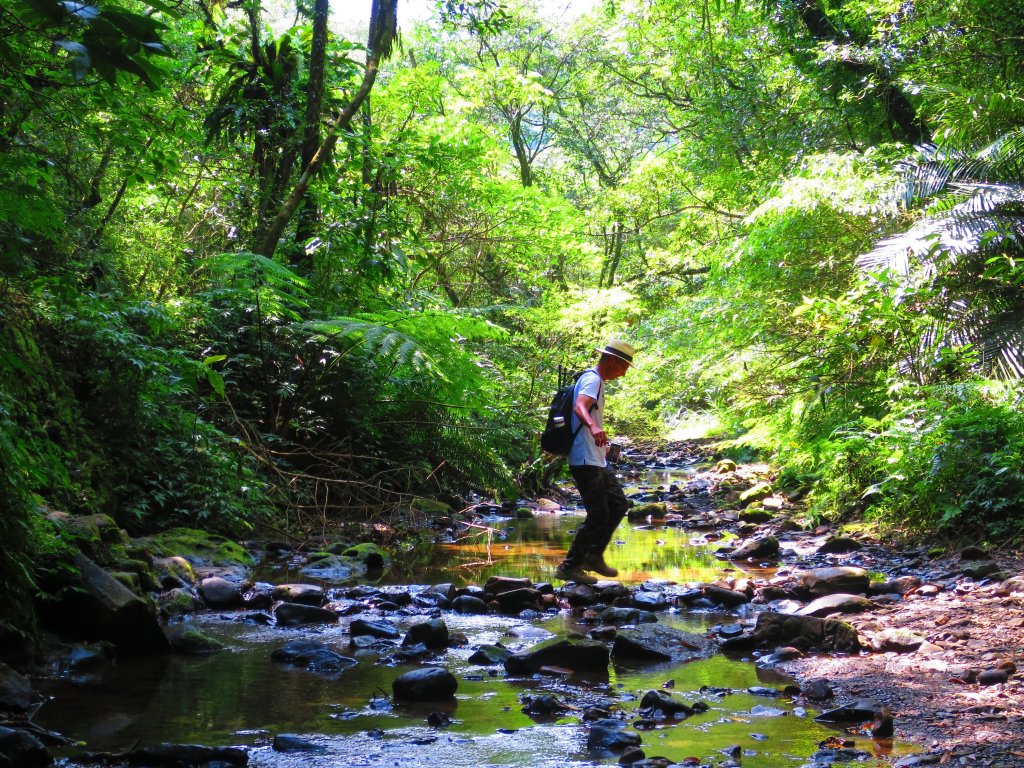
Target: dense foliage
(261, 273)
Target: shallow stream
(240, 697)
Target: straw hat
(620, 349)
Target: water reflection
(241, 697)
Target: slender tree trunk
(309, 215)
(383, 32)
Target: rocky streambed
(794, 647)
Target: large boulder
(18, 748)
(218, 592)
(568, 653)
(16, 693)
(802, 632)
(431, 634)
(199, 548)
(307, 594)
(96, 606)
(654, 642)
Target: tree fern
(965, 256)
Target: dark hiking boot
(597, 564)
(574, 573)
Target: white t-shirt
(584, 451)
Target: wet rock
(725, 466)
(304, 594)
(759, 710)
(427, 684)
(515, 600)
(619, 616)
(655, 642)
(730, 598)
(817, 689)
(487, 655)
(577, 655)
(218, 592)
(314, 656)
(661, 705)
(258, 595)
(432, 634)
(545, 706)
(826, 758)
(295, 614)
(16, 694)
(439, 720)
(610, 735)
(766, 548)
(650, 600)
(802, 632)
(384, 630)
(829, 581)
(631, 755)
(18, 748)
(839, 545)
(292, 742)
(897, 639)
(495, 585)
(188, 755)
(468, 604)
(580, 595)
(836, 603)
(857, 711)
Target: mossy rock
(192, 642)
(142, 569)
(430, 506)
(524, 513)
(373, 557)
(655, 509)
(756, 493)
(129, 579)
(98, 536)
(198, 547)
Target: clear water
(241, 697)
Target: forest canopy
(255, 271)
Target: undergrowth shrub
(950, 460)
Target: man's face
(618, 367)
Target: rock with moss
(755, 493)
(656, 510)
(98, 536)
(334, 569)
(190, 641)
(372, 556)
(174, 572)
(199, 548)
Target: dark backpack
(558, 435)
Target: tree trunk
(309, 214)
(383, 32)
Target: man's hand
(600, 438)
